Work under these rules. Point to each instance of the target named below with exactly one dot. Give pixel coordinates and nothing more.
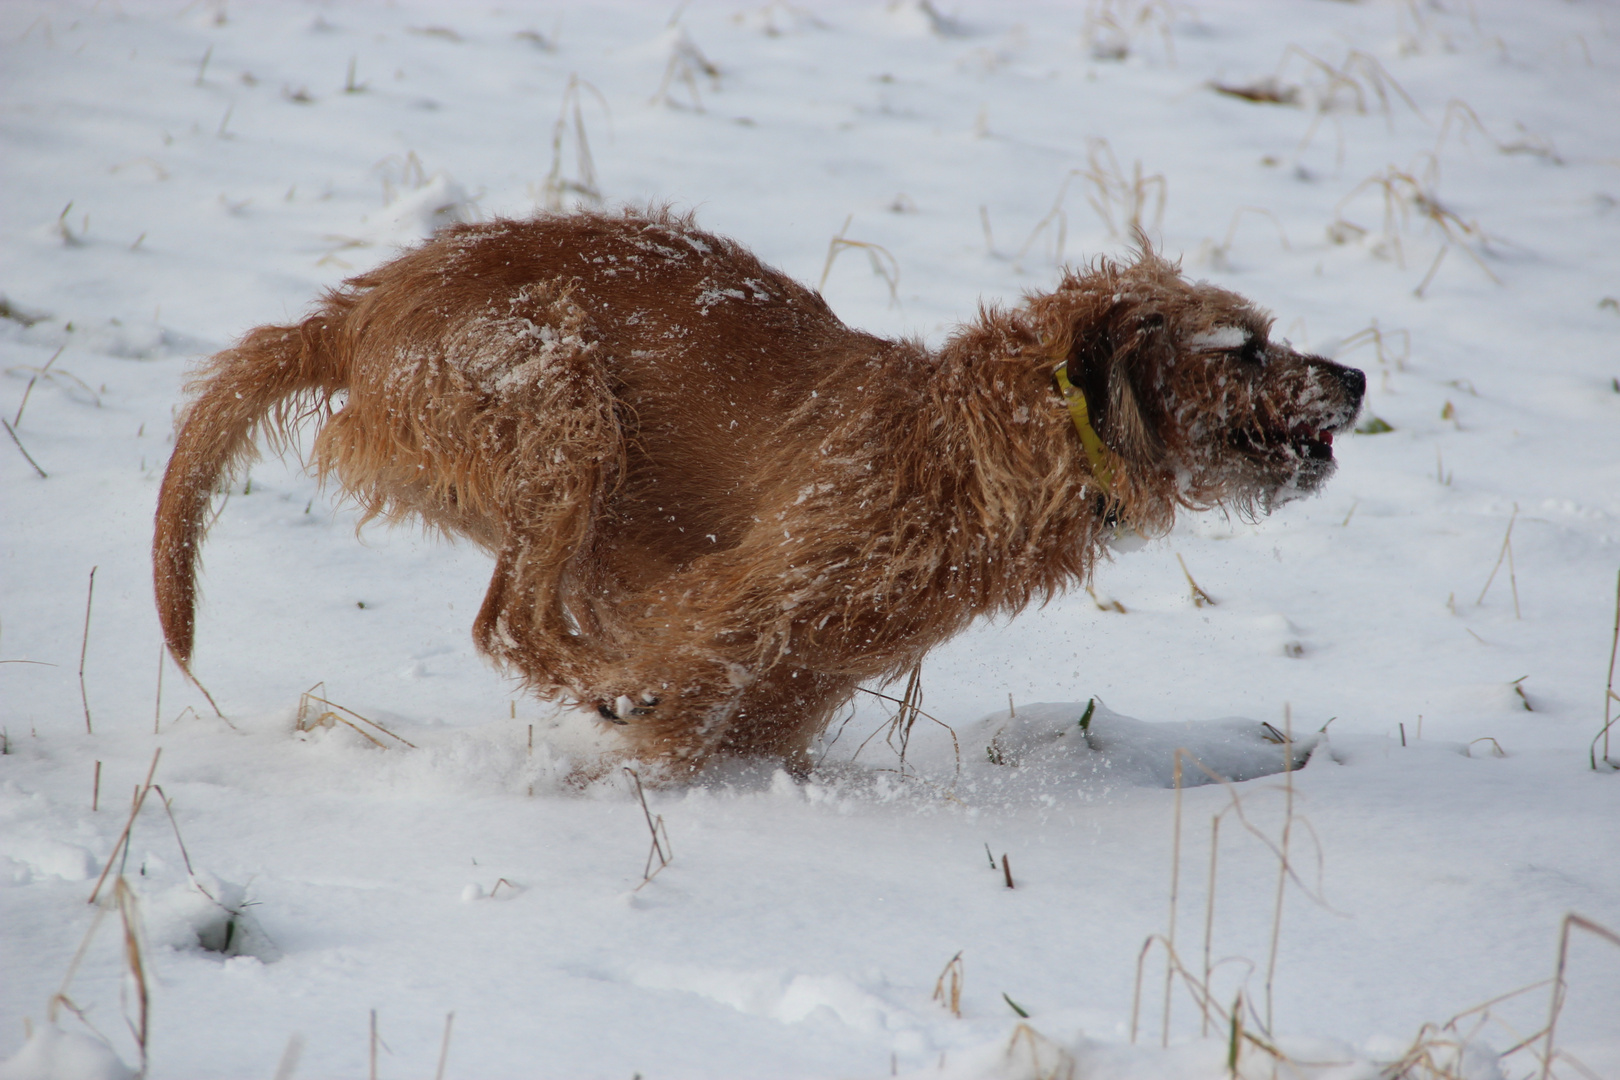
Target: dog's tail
(267, 382)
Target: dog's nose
(1354, 381)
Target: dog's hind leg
(556, 457)
(527, 624)
(512, 436)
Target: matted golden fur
(714, 508)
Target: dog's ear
(1142, 350)
(1118, 360)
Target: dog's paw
(623, 707)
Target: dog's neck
(999, 395)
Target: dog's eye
(1253, 351)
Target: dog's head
(1184, 383)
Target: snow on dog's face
(1249, 420)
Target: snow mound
(787, 997)
(1090, 738)
(1027, 1054)
(28, 859)
(132, 340)
(53, 1054)
(206, 913)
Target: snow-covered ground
(172, 174)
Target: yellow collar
(1081, 415)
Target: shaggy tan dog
(714, 508)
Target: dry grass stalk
(1062, 1065)
(95, 791)
(308, 719)
(212, 704)
(289, 1058)
(1111, 605)
(122, 843)
(16, 421)
(60, 997)
(232, 913)
(449, 1021)
(371, 1072)
(443, 33)
(1286, 871)
(1006, 870)
(1110, 192)
(184, 856)
(1200, 993)
(1360, 76)
(572, 114)
(1112, 25)
(64, 229)
(1056, 216)
(1461, 115)
(1402, 193)
(23, 450)
(84, 648)
(884, 264)
(661, 849)
(900, 725)
(1609, 696)
(157, 708)
(140, 1028)
(1505, 553)
(905, 718)
(1218, 253)
(686, 63)
(537, 39)
(948, 987)
(1375, 336)
(1266, 91)
(350, 86)
(1483, 1012)
(989, 237)
(1235, 807)
(407, 172)
(1571, 921)
(1175, 894)
(1200, 598)
(1283, 868)
(1209, 910)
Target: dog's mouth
(1307, 442)
(1313, 444)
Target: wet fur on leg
(714, 508)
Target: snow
(1222, 337)
(220, 164)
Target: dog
(715, 509)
